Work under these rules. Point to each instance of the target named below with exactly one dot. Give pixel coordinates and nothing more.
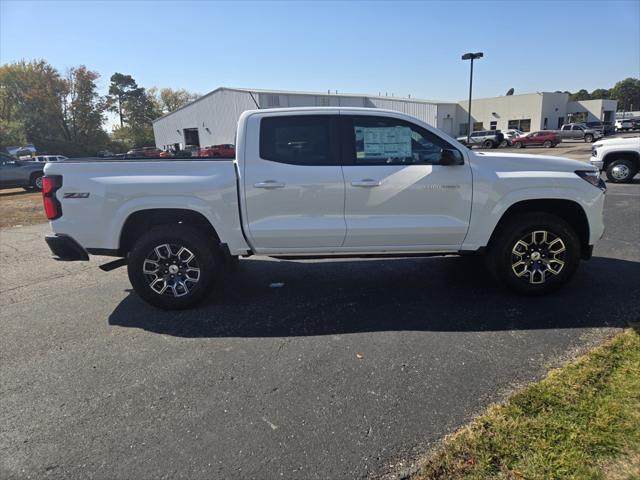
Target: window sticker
(383, 142)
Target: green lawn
(581, 422)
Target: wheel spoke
(539, 237)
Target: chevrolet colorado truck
(325, 182)
(619, 158)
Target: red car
(546, 138)
(144, 152)
(226, 150)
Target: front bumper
(598, 164)
(65, 248)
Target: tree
(600, 93)
(580, 95)
(170, 100)
(627, 92)
(121, 88)
(84, 111)
(31, 97)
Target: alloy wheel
(171, 270)
(538, 256)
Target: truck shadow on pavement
(421, 294)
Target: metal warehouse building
(212, 118)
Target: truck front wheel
(173, 266)
(620, 171)
(534, 253)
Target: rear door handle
(269, 184)
(367, 183)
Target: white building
(212, 118)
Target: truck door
(398, 195)
(293, 182)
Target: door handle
(367, 183)
(269, 184)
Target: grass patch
(18, 207)
(581, 422)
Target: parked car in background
(579, 131)
(225, 150)
(545, 138)
(144, 152)
(624, 125)
(49, 158)
(105, 154)
(17, 173)
(483, 138)
(619, 158)
(509, 135)
(605, 127)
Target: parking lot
(315, 369)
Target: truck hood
(516, 162)
(630, 142)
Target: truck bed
(97, 196)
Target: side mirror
(451, 156)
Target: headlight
(593, 177)
(596, 145)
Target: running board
(107, 267)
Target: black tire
(502, 260)
(518, 145)
(547, 144)
(588, 138)
(35, 182)
(206, 259)
(487, 144)
(621, 171)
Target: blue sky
(359, 47)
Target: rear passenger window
(299, 140)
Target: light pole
(472, 57)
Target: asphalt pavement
(309, 369)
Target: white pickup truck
(619, 158)
(325, 182)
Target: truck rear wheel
(588, 138)
(534, 253)
(173, 266)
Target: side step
(107, 267)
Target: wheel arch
(620, 155)
(141, 221)
(569, 210)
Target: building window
(493, 125)
(560, 122)
(579, 117)
(545, 123)
(478, 126)
(464, 128)
(523, 125)
(323, 101)
(273, 101)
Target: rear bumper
(65, 248)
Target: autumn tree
(170, 100)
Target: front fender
(492, 200)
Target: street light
(472, 57)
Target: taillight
(52, 207)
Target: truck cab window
(390, 141)
(299, 140)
